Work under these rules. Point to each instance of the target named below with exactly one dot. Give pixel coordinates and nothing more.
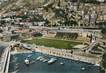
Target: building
(93, 11)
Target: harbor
(66, 54)
(18, 65)
(42, 59)
(70, 54)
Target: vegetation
(56, 43)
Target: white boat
(52, 60)
(38, 58)
(61, 63)
(97, 64)
(45, 60)
(83, 68)
(41, 59)
(26, 61)
(29, 56)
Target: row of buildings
(86, 12)
(93, 13)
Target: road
(4, 56)
(91, 46)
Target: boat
(52, 60)
(27, 61)
(83, 68)
(41, 59)
(38, 58)
(45, 60)
(61, 63)
(29, 56)
(97, 64)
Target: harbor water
(62, 65)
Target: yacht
(29, 56)
(83, 68)
(52, 60)
(26, 61)
(97, 64)
(61, 63)
(45, 60)
(41, 59)
(38, 58)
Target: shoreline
(59, 53)
(62, 53)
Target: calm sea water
(70, 66)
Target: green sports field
(56, 43)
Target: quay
(66, 54)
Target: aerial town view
(52, 36)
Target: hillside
(59, 12)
